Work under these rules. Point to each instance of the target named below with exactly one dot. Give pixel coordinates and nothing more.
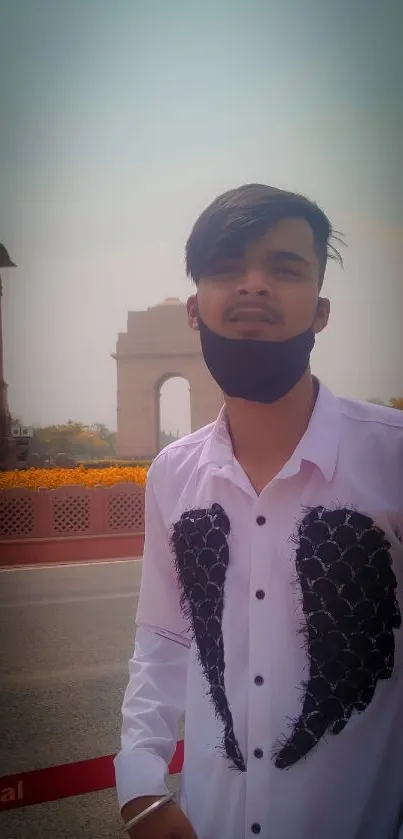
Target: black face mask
(259, 371)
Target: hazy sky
(121, 120)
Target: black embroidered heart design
(200, 547)
(348, 586)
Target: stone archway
(174, 401)
(158, 345)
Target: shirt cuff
(139, 773)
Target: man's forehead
(287, 235)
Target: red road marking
(65, 781)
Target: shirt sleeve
(154, 700)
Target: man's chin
(256, 330)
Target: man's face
(270, 293)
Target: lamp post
(5, 419)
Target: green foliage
(74, 439)
(395, 402)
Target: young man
(271, 597)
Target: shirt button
(258, 753)
(260, 520)
(260, 594)
(256, 828)
(259, 680)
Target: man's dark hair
(241, 216)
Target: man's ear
(193, 312)
(322, 315)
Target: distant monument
(158, 345)
(7, 448)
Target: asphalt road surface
(66, 634)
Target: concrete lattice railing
(71, 523)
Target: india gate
(158, 345)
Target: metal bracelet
(147, 812)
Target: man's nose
(255, 281)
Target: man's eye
(290, 272)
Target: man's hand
(167, 823)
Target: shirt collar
(319, 445)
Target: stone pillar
(206, 398)
(6, 448)
(137, 418)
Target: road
(66, 634)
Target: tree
(54, 439)
(74, 439)
(395, 402)
(89, 444)
(106, 435)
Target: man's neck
(265, 436)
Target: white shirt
(242, 607)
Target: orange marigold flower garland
(56, 477)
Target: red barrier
(65, 781)
(83, 523)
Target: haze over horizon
(124, 120)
